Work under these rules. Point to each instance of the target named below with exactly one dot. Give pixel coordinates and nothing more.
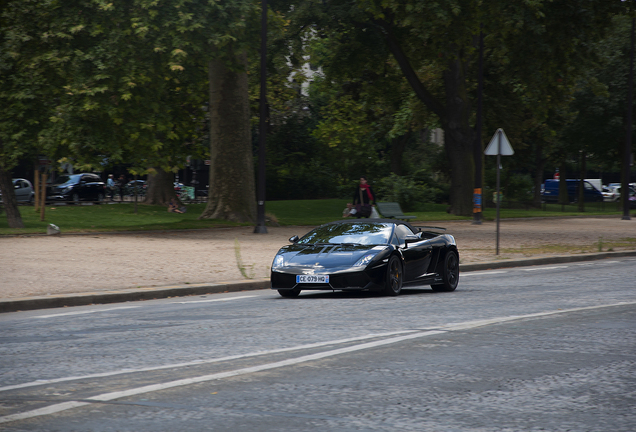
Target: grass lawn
(122, 217)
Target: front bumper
(365, 279)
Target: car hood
(330, 256)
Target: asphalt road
(524, 349)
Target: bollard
(52, 230)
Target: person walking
(110, 183)
(363, 199)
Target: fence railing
(596, 206)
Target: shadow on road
(309, 294)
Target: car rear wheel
(289, 293)
(393, 283)
(450, 273)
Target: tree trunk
(398, 145)
(581, 196)
(9, 200)
(232, 193)
(459, 139)
(564, 197)
(160, 188)
(455, 117)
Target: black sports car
(372, 254)
(77, 187)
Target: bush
(515, 188)
(410, 194)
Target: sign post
(499, 146)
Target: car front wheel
(289, 293)
(393, 283)
(450, 273)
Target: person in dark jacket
(363, 199)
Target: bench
(392, 210)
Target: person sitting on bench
(173, 207)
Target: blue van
(550, 192)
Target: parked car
(611, 193)
(550, 191)
(140, 185)
(373, 255)
(77, 187)
(23, 190)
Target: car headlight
(279, 261)
(364, 260)
(67, 189)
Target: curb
(492, 265)
(127, 295)
(155, 293)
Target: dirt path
(41, 265)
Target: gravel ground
(68, 263)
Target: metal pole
(478, 197)
(136, 186)
(628, 138)
(261, 228)
(498, 195)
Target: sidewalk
(71, 269)
(153, 293)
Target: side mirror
(411, 238)
(293, 239)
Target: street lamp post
(628, 138)
(477, 153)
(261, 228)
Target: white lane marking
(543, 268)
(369, 345)
(51, 409)
(205, 361)
(85, 312)
(214, 300)
(498, 320)
(483, 273)
(133, 307)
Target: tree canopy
(355, 88)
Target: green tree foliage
(600, 99)
(96, 82)
(534, 50)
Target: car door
(19, 190)
(23, 190)
(82, 188)
(416, 253)
(88, 186)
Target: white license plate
(312, 279)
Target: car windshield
(66, 179)
(356, 233)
